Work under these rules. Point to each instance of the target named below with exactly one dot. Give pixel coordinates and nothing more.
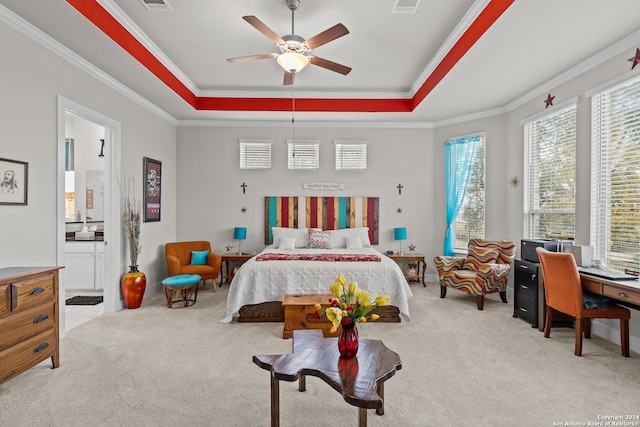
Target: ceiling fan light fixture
(292, 61)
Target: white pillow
(338, 237)
(301, 235)
(354, 242)
(287, 243)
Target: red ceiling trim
(482, 23)
(102, 19)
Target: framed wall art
(14, 185)
(152, 177)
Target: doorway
(111, 204)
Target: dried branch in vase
(132, 214)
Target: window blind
(350, 155)
(470, 220)
(550, 175)
(303, 155)
(255, 154)
(615, 175)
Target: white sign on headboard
(322, 186)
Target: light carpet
(155, 366)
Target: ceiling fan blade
(260, 26)
(326, 36)
(330, 65)
(251, 57)
(288, 78)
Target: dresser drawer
(26, 324)
(525, 308)
(27, 354)
(30, 293)
(5, 300)
(632, 296)
(526, 287)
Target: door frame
(112, 219)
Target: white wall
(32, 77)
(210, 198)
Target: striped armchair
(485, 269)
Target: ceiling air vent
(156, 5)
(405, 6)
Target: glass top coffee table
(360, 380)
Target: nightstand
(229, 260)
(416, 266)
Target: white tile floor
(76, 315)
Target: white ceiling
(392, 54)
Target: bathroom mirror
(95, 195)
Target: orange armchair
(563, 292)
(484, 271)
(178, 256)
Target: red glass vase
(348, 339)
(133, 285)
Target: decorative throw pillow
(301, 235)
(199, 257)
(287, 243)
(354, 242)
(318, 240)
(480, 255)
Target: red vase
(133, 285)
(348, 339)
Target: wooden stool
(181, 288)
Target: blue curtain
(459, 157)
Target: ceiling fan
(295, 51)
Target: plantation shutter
(303, 155)
(615, 175)
(255, 154)
(550, 175)
(350, 156)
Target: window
(351, 155)
(470, 220)
(550, 174)
(615, 175)
(255, 154)
(303, 155)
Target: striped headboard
(327, 213)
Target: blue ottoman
(181, 288)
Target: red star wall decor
(549, 101)
(635, 59)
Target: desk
(360, 380)
(625, 291)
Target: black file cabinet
(528, 289)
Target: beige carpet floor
(461, 367)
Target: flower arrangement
(350, 305)
(131, 221)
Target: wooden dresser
(29, 312)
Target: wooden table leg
(380, 388)
(275, 401)
(362, 417)
(302, 383)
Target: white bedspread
(261, 281)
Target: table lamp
(400, 234)
(240, 234)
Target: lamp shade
(400, 233)
(292, 61)
(240, 233)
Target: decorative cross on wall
(400, 187)
(244, 188)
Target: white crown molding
(307, 124)
(631, 41)
(471, 15)
(286, 93)
(56, 47)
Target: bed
(289, 266)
